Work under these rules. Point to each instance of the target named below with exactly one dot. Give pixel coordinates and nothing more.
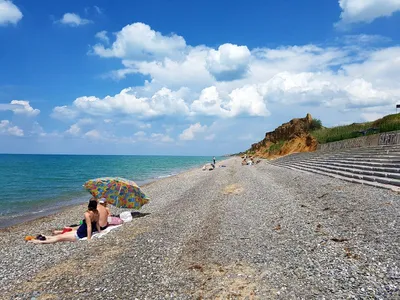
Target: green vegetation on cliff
(275, 148)
(327, 135)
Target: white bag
(126, 216)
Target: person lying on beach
(104, 213)
(90, 223)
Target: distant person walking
(214, 160)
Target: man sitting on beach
(104, 213)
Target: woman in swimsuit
(89, 225)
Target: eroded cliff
(290, 137)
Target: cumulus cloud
(73, 130)
(6, 128)
(324, 89)
(139, 41)
(228, 81)
(102, 36)
(229, 62)
(21, 107)
(355, 11)
(93, 135)
(192, 81)
(9, 13)
(247, 100)
(73, 20)
(380, 67)
(38, 130)
(163, 102)
(64, 112)
(189, 133)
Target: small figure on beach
(214, 160)
(104, 213)
(89, 225)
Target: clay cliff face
(288, 138)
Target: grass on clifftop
(327, 135)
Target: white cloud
(73, 20)
(175, 73)
(6, 128)
(362, 93)
(163, 102)
(228, 62)
(189, 133)
(21, 107)
(153, 137)
(161, 137)
(324, 89)
(74, 130)
(64, 112)
(361, 39)
(144, 125)
(245, 100)
(187, 83)
(102, 36)
(38, 130)
(86, 121)
(140, 134)
(9, 13)
(139, 41)
(98, 9)
(381, 67)
(355, 11)
(371, 116)
(93, 135)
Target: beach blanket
(103, 232)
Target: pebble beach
(237, 232)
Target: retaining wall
(386, 138)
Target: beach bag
(115, 221)
(126, 216)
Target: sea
(33, 186)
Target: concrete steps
(376, 166)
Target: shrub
(275, 148)
(315, 124)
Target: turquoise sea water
(35, 185)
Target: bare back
(103, 215)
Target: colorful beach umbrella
(117, 191)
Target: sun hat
(102, 200)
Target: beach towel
(103, 232)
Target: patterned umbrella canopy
(118, 191)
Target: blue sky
(188, 77)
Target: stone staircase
(377, 166)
